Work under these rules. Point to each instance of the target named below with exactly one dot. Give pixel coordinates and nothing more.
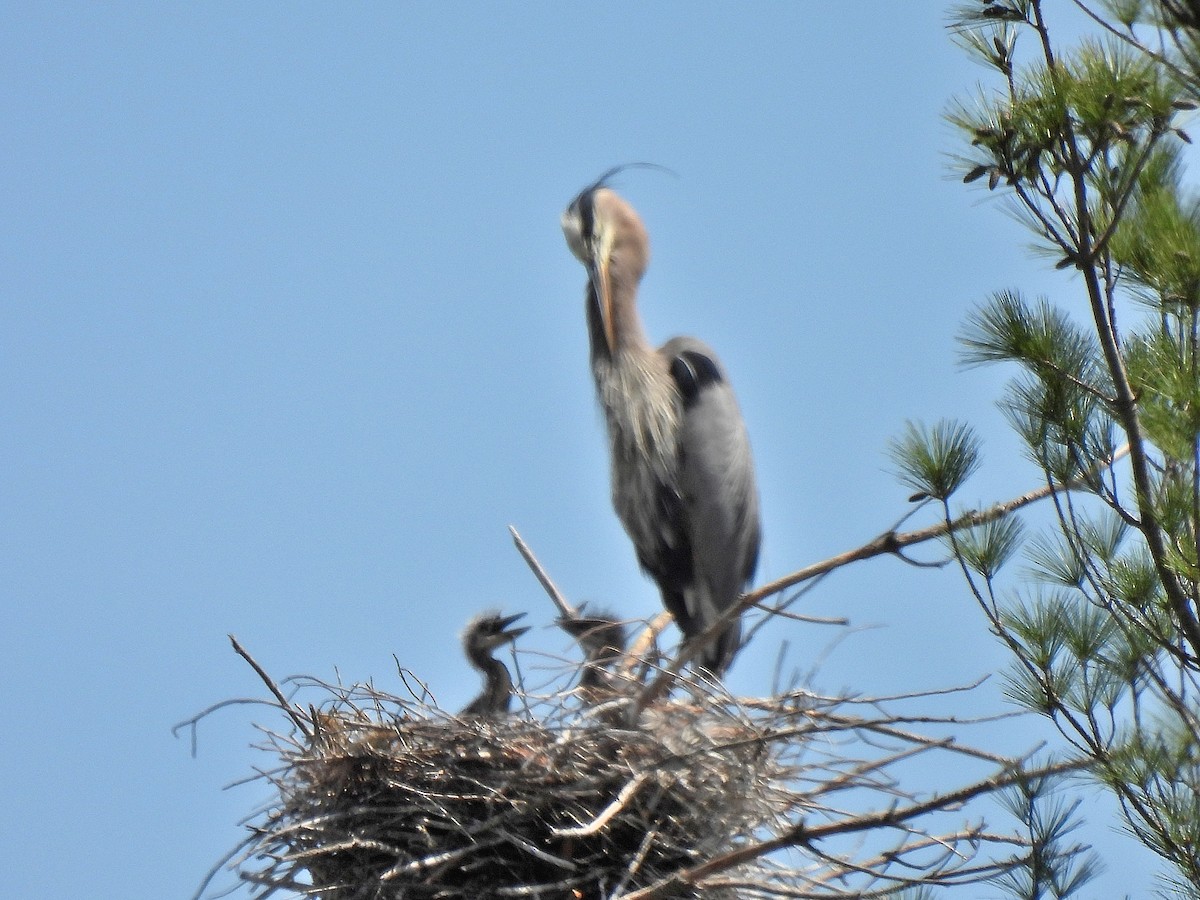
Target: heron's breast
(642, 412)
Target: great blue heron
(483, 634)
(682, 475)
(602, 637)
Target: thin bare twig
(804, 835)
(565, 609)
(607, 813)
(295, 714)
(780, 612)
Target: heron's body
(484, 634)
(682, 475)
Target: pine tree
(1084, 145)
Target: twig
(565, 609)
(803, 835)
(192, 721)
(641, 647)
(890, 542)
(296, 715)
(609, 811)
(799, 617)
(432, 861)
(635, 864)
(521, 843)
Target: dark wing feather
(669, 561)
(718, 493)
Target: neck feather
(628, 334)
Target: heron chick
(483, 634)
(682, 475)
(602, 637)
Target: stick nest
(380, 797)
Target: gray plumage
(483, 634)
(682, 474)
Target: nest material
(398, 805)
(707, 796)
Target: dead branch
(565, 609)
(890, 542)
(294, 713)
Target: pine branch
(890, 542)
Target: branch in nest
(606, 815)
(297, 716)
(803, 835)
(565, 609)
(567, 612)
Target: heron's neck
(596, 672)
(628, 334)
(498, 683)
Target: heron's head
(601, 634)
(607, 235)
(490, 630)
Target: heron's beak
(602, 285)
(511, 634)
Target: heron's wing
(717, 488)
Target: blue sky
(291, 335)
